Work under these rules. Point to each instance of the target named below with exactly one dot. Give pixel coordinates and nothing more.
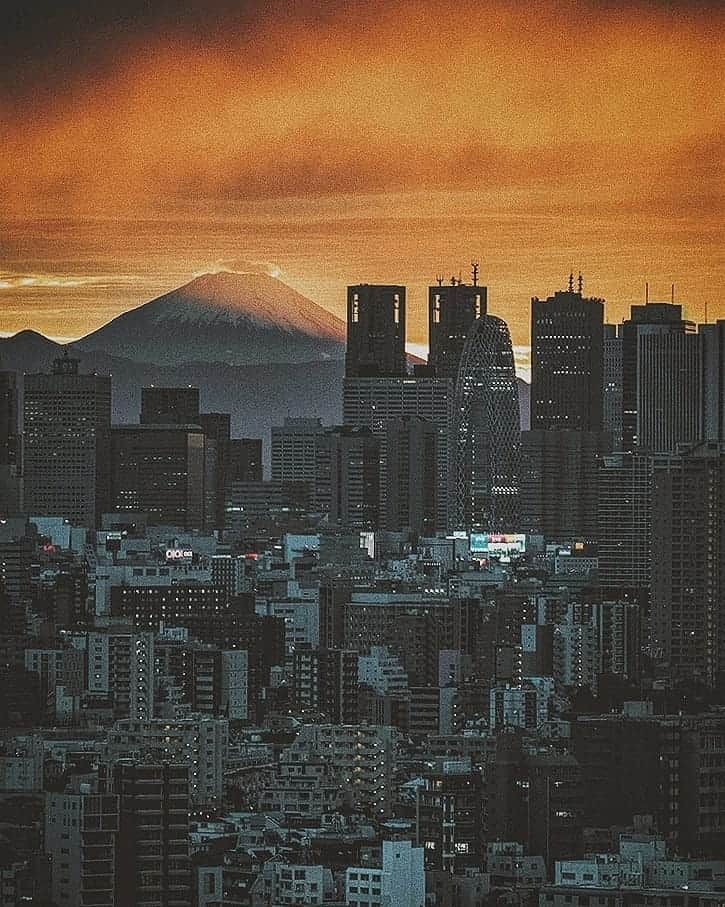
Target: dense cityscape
(444, 653)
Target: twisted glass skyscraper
(487, 430)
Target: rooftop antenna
(474, 268)
(571, 281)
(672, 294)
(580, 283)
(453, 280)
(439, 280)
(646, 293)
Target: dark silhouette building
(66, 443)
(452, 309)
(566, 361)
(165, 471)
(152, 860)
(411, 454)
(375, 331)
(487, 432)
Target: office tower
(8, 418)
(10, 481)
(411, 456)
(669, 391)
(452, 309)
(566, 361)
(295, 449)
(170, 406)
(688, 563)
(217, 430)
(354, 478)
(624, 519)
(81, 839)
(120, 666)
(713, 339)
(374, 402)
(325, 681)
(487, 433)
(612, 385)
(375, 331)
(244, 460)
(653, 368)
(152, 859)
(66, 443)
(161, 470)
(559, 475)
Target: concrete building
(566, 361)
(81, 839)
(400, 881)
(452, 309)
(411, 456)
(66, 443)
(201, 743)
(152, 858)
(375, 331)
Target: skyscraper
(566, 361)
(161, 470)
(374, 402)
(354, 470)
(452, 309)
(375, 330)
(487, 431)
(410, 500)
(646, 388)
(612, 385)
(688, 563)
(67, 424)
(713, 338)
(9, 444)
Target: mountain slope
(235, 319)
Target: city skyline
(330, 143)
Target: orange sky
(388, 142)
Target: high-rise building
(120, 666)
(612, 385)
(152, 859)
(81, 838)
(669, 391)
(10, 481)
(566, 361)
(218, 431)
(487, 432)
(688, 563)
(559, 476)
(400, 881)
(375, 331)
(624, 518)
(411, 455)
(66, 443)
(354, 478)
(645, 389)
(163, 471)
(452, 309)
(294, 449)
(374, 402)
(713, 338)
(244, 460)
(170, 406)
